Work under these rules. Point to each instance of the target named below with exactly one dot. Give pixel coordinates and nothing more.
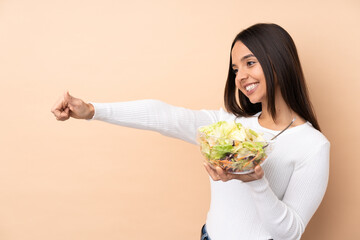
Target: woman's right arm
(151, 115)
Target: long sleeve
(287, 218)
(279, 206)
(156, 116)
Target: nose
(241, 75)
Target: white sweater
(279, 205)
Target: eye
(250, 63)
(235, 71)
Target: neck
(284, 114)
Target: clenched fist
(68, 106)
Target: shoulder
(306, 142)
(225, 115)
(305, 138)
(312, 136)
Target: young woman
(265, 90)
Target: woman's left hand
(218, 173)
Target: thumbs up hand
(68, 106)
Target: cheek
(237, 84)
(238, 87)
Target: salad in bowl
(233, 147)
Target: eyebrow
(244, 57)
(247, 56)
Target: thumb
(68, 98)
(259, 172)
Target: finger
(67, 111)
(64, 115)
(71, 107)
(72, 102)
(58, 106)
(211, 172)
(69, 99)
(56, 113)
(224, 176)
(259, 172)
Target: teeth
(251, 86)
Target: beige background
(91, 180)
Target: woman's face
(250, 78)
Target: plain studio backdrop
(91, 180)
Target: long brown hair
(278, 57)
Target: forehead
(239, 50)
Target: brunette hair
(276, 52)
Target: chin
(254, 101)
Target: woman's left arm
(287, 218)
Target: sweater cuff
(101, 111)
(96, 110)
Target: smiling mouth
(251, 86)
